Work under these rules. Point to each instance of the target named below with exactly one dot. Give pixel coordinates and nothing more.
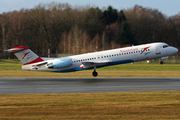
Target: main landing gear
(94, 73)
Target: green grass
(15, 61)
(12, 68)
(99, 106)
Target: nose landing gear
(161, 62)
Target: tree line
(80, 29)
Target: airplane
(33, 62)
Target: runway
(84, 85)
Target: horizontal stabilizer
(14, 50)
(17, 49)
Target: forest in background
(80, 29)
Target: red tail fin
(25, 55)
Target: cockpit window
(165, 46)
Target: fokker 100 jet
(94, 60)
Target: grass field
(95, 106)
(12, 68)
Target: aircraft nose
(175, 50)
(171, 51)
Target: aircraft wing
(94, 63)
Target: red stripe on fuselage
(35, 61)
(145, 49)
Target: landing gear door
(158, 52)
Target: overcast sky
(168, 7)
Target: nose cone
(172, 51)
(175, 50)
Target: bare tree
(103, 40)
(4, 26)
(96, 42)
(77, 34)
(85, 38)
(69, 38)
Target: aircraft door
(158, 52)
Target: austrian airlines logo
(25, 55)
(144, 49)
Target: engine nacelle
(60, 64)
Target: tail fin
(25, 55)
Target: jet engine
(60, 64)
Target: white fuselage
(107, 58)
